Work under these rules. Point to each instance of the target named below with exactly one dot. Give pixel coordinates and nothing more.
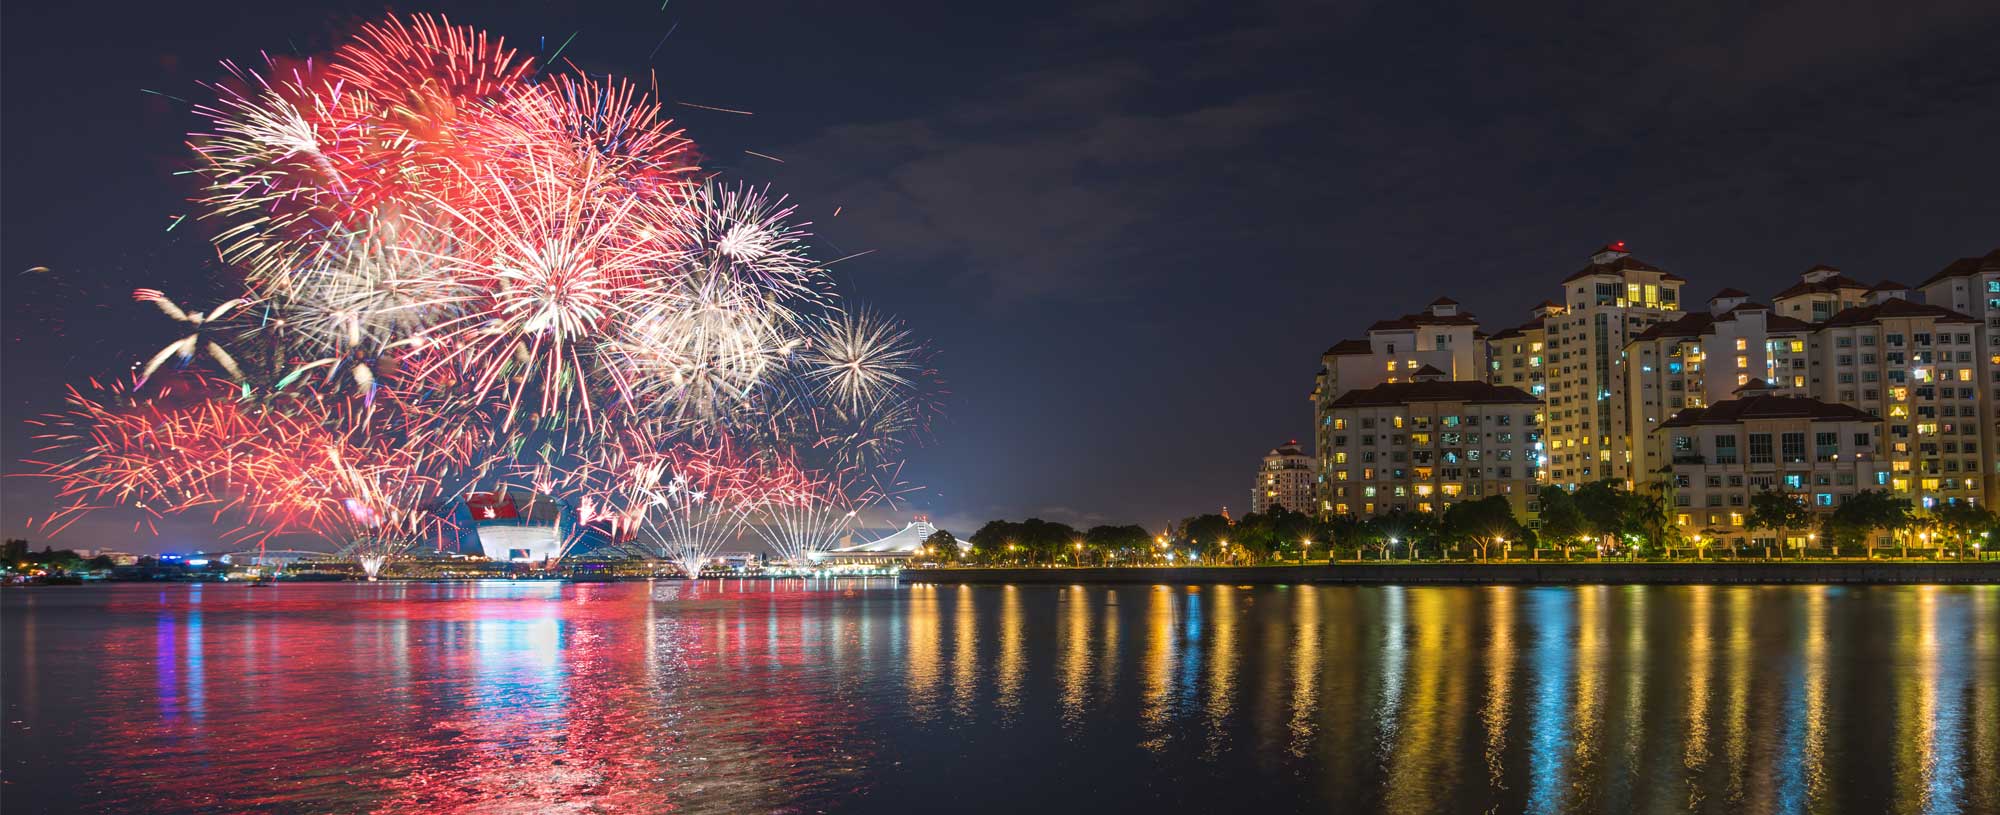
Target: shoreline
(1505, 574)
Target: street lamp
(1079, 553)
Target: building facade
(1440, 337)
(1730, 450)
(1616, 297)
(1820, 293)
(1421, 445)
(1971, 286)
(1516, 355)
(1914, 365)
(1701, 358)
(1285, 479)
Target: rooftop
(1894, 307)
(1967, 267)
(1765, 406)
(1400, 393)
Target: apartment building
(1728, 451)
(1612, 299)
(1703, 357)
(1516, 355)
(1284, 479)
(1422, 444)
(1971, 286)
(1915, 365)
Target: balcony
(1690, 458)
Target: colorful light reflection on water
(750, 696)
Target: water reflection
(815, 695)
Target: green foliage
(1031, 541)
(943, 547)
(1780, 512)
(1480, 523)
(1857, 518)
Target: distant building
(897, 549)
(1517, 355)
(1615, 297)
(1820, 293)
(1917, 366)
(1726, 452)
(1285, 479)
(517, 525)
(1971, 286)
(1704, 357)
(1441, 337)
(1425, 444)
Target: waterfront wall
(1371, 574)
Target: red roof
(1892, 308)
(1750, 408)
(1623, 264)
(1967, 267)
(1399, 393)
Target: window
(1826, 445)
(1760, 448)
(1824, 499)
(1794, 480)
(1794, 448)
(1725, 449)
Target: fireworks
(463, 273)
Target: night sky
(1128, 228)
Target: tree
(1481, 523)
(1562, 522)
(1204, 533)
(1780, 512)
(1965, 523)
(1341, 535)
(1129, 542)
(1856, 519)
(942, 547)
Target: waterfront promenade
(1520, 573)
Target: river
(860, 696)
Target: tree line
(1601, 518)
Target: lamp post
(1392, 544)
(1305, 550)
(1079, 553)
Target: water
(861, 696)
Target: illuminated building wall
(1615, 297)
(1423, 445)
(1703, 358)
(1733, 449)
(1971, 286)
(1285, 479)
(1918, 366)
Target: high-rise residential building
(1615, 297)
(1730, 450)
(1516, 355)
(1971, 286)
(1422, 444)
(1902, 361)
(1820, 293)
(1701, 358)
(1440, 337)
(1285, 479)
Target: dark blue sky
(1128, 227)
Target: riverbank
(1375, 574)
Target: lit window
(1392, 365)
(1741, 344)
(1735, 519)
(1340, 424)
(1742, 362)
(1798, 346)
(1742, 379)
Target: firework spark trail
(461, 270)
